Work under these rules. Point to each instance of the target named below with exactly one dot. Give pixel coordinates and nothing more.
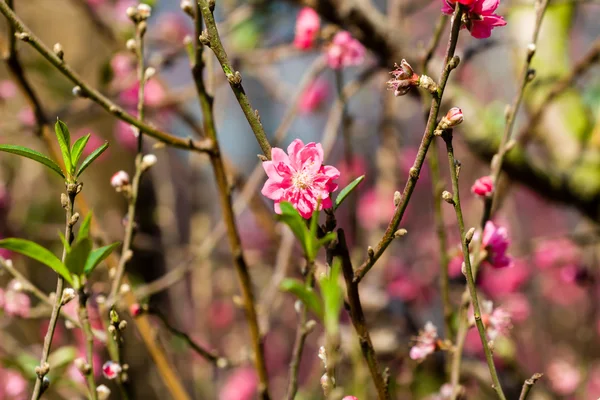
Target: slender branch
(211, 356)
(68, 201)
(358, 318)
(424, 146)
(528, 384)
(241, 267)
(211, 39)
(524, 78)
(454, 171)
(89, 343)
(588, 61)
(25, 34)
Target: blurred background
(549, 194)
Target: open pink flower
(481, 18)
(307, 28)
(425, 343)
(495, 241)
(300, 178)
(344, 51)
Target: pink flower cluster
(426, 343)
(481, 17)
(300, 178)
(496, 320)
(495, 241)
(344, 51)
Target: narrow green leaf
(62, 357)
(325, 239)
(304, 293)
(84, 229)
(290, 216)
(77, 150)
(347, 190)
(37, 252)
(64, 241)
(97, 256)
(64, 141)
(333, 299)
(76, 259)
(90, 159)
(34, 155)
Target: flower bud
(149, 73)
(111, 370)
(103, 392)
(58, 50)
(82, 366)
(483, 187)
(403, 79)
(67, 295)
(144, 11)
(119, 180)
(147, 161)
(447, 197)
(136, 310)
(188, 7)
(454, 117)
(131, 45)
(77, 91)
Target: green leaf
(62, 357)
(333, 299)
(77, 258)
(77, 150)
(97, 256)
(84, 229)
(325, 239)
(90, 159)
(304, 293)
(37, 252)
(290, 216)
(34, 155)
(347, 190)
(64, 141)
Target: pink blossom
(122, 64)
(154, 94)
(375, 209)
(445, 393)
(483, 186)
(96, 3)
(495, 241)
(350, 398)
(344, 51)
(119, 179)
(454, 117)
(111, 370)
(307, 28)
(518, 306)
(496, 320)
(425, 343)
(26, 116)
(593, 384)
(555, 253)
(220, 314)
(172, 27)
(481, 17)
(14, 302)
(313, 96)
(120, 10)
(135, 310)
(240, 385)
(455, 263)
(8, 89)
(126, 135)
(12, 385)
(300, 178)
(564, 376)
(500, 282)
(403, 79)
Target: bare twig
(241, 267)
(528, 384)
(89, 343)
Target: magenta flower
(111, 370)
(300, 178)
(307, 28)
(425, 343)
(495, 241)
(344, 51)
(481, 18)
(483, 186)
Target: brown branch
(528, 384)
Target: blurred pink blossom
(111, 370)
(483, 186)
(122, 65)
(172, 27)
(556, 253)
(350, 398)
(119, 10)
(8, 89)
(93, 143)
(344, 51)
(425, 343)
(495, 241)
(26, 116)
(481, 16)
(126, 135)
(455, 263)
(96, 3)
(14, 302)
(518, 306)
(593, 384)
(350, 172)
(497, 321)
(375, 209)
(500, 282)
(154, 94)
(564, 377)
(240, 385)
(12, 385)
(557, 290)
(220, 314)
(314, 95)
(307, 28)
(300, 178)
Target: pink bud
(350, 398)
(119, 179)
(454, 117)
(483, 186)
(307, 28)
(111, 370)
(135, 310)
